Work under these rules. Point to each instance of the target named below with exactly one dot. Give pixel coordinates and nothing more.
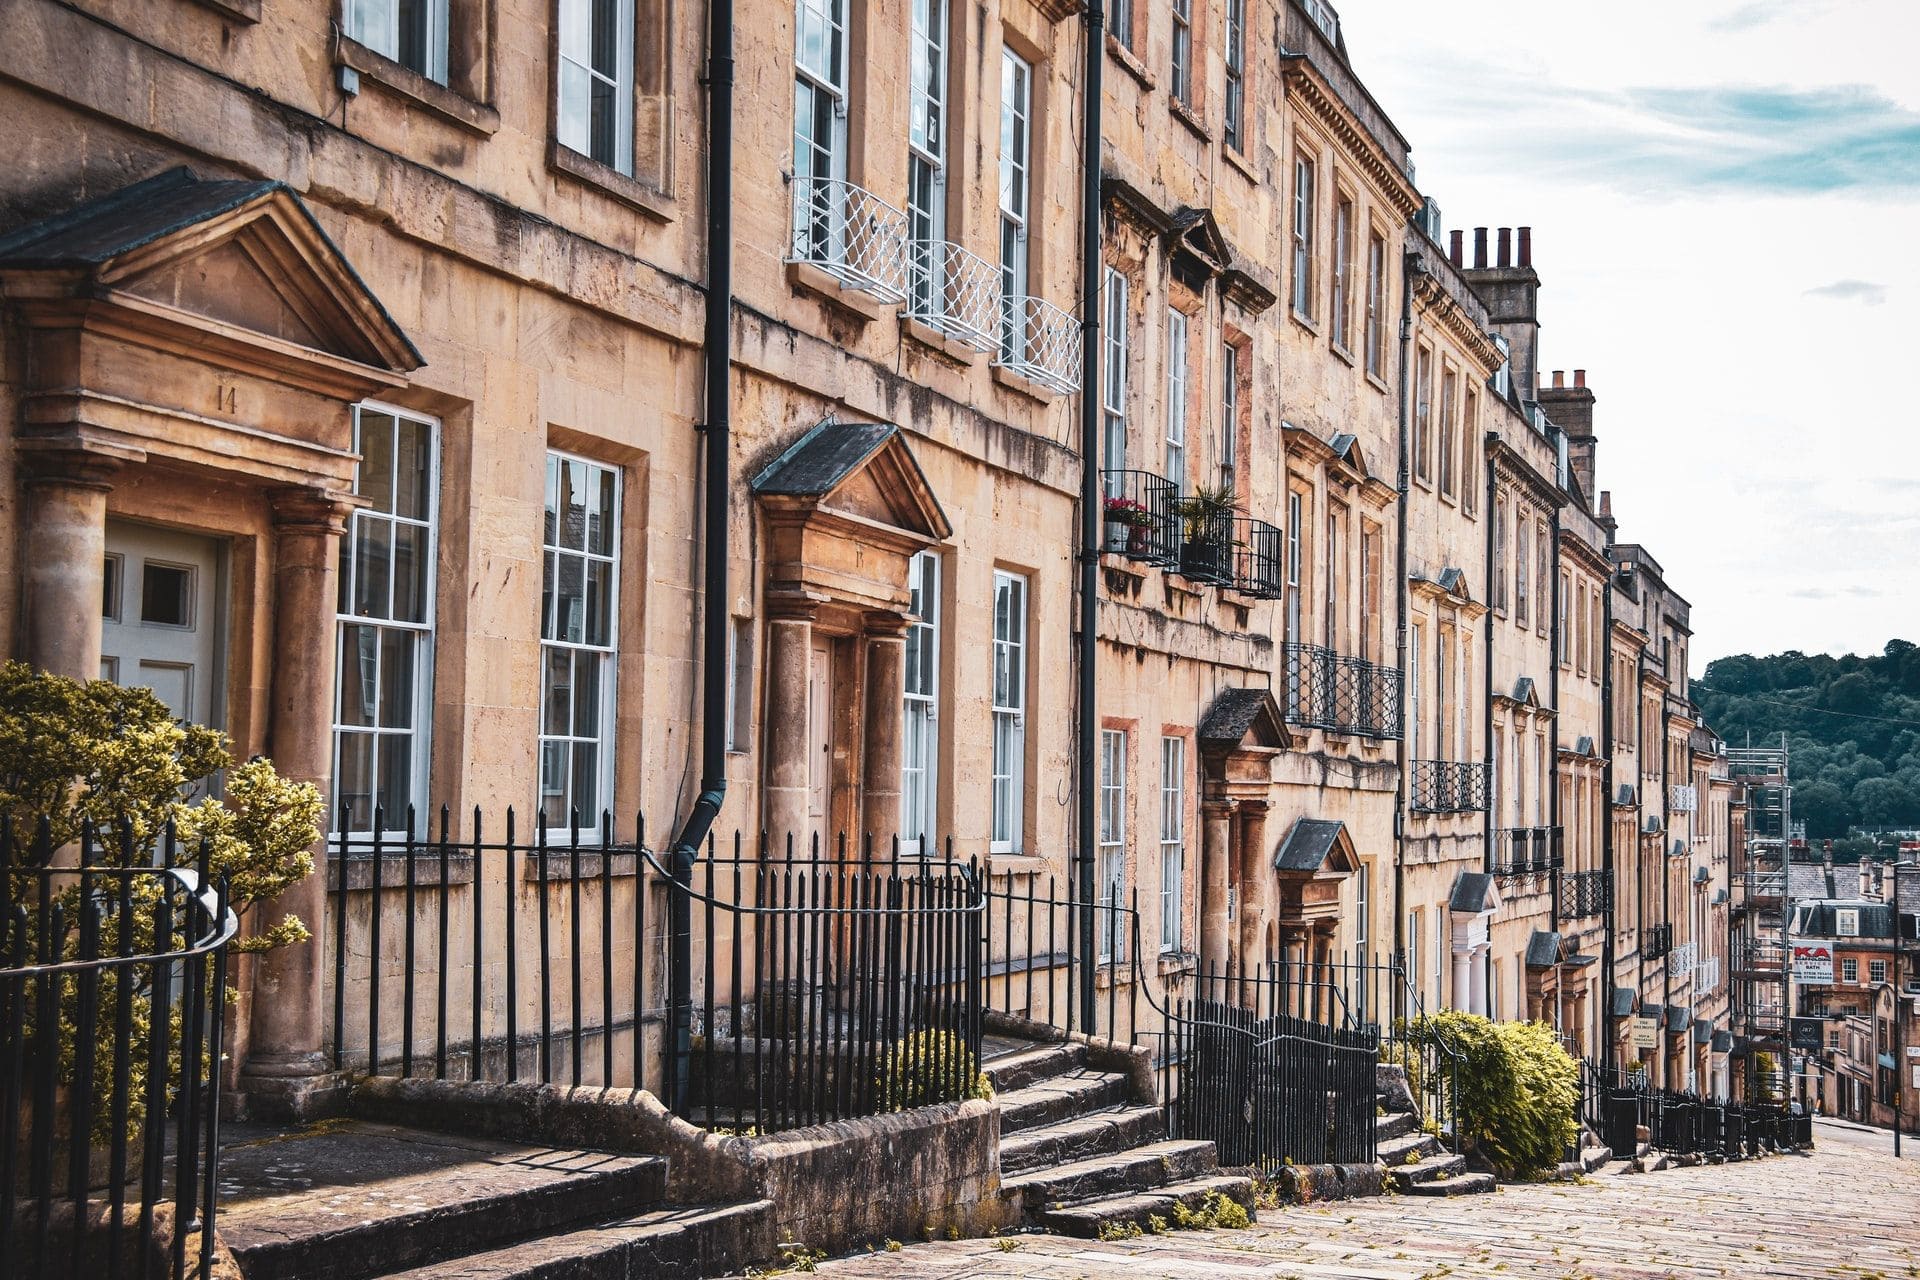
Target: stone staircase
(1415, 1161)
(351, 1200)
(1081, 1155)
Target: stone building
(351, 376)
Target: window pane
(606, 511)
(554, 758)
(166, 595)
(353, 781)
(413, 461)
(373, 566)
(396, 677)
(376, 460)
(586, 782)
(569, 614)
(396, 778)
(599, 608)
(586, 695)
(358, 677)
(558, 681)
(574, 123)
(410, 570)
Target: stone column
(1256, 879)
(1216, 880)
(1463, 981)
(63, 552)
(287, 1069)
(789, 651)
(1477, 978)
(885, 730)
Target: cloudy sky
(1725, 197)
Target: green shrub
(1517, 1089)
(921, 1069)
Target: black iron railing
(1586, 893)
(1683, 1123)
(1328, 690)
(1140, 523)
(830, 983)
(1447, 786)
(1526, 851)
(1256, 559)
(1656, 941)
(113, 975)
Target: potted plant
(1206, 534)
(1127, 523)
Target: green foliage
(1216, 1210)
(1853, 726)
(78, 754)
(921, 1069)
(1517, 1088)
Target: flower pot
(1206, 559)
(1119, 537)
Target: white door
(160, 617)
(820, 741)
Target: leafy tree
(1517, 1088)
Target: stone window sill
(1172, 962)
(1379, 383)
(590, 172)
(1341, 351)
(1305, 321)
(1130, 63)
(1024, 386)
(1187, 116)
(927, 336)
(1016, 864)
(807, 278)
(1240, 162)
(449, 104)
(238, 10)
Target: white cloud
(1861, 291)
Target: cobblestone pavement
(1844, 1212)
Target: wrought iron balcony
(1040, 342)
(1447, 786)
(1147, 520)
(1682, 799)
(954, 292)
(1526, 851)
(1330, 691)
(1656, 941)
(1706, 975)
(1140, 524)
(1586, 893)
(852, 235)
(1682, 959)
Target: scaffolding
(1759, 947)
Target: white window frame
(605, 655)
(1233, 124)
(1416, 658)
(739, 698)
(1423, 413)
(376, 24)
(1110, 942)
(1876, 971)
(1846, 922)
(1376, 337)
(576, 75)
(920, 731)
(420, 708)
(1449, 428)
(1849, 969)
(1120, 22)
(1340, 323)
(1229, 414)
(1016, 199)
(1173, 842)
(1113, 383)
(1362, 905)
(927, 151)
(1177, 398)
(1180, 60)
(1335, 567)
(1008, 787)
(1303, 236)
(820, 99)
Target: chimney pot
(1606, 502)
(1458, 249)
(1579, 377)
(1526, 246)
(1559, 377)
(1506, 246)
(1479, 248)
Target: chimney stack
(1559, 378)
(1510, 289)
(1526, 246)
(1479, 248)
(1506, 247)
(1570, 408)
(1458, 250)
(1579, 377)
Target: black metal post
(1093, 21)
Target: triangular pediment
(1197, 232)
(861, 469)
(1241, 718)
(241, 261)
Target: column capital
(793, 606)
(312, 510)
(1218, 806)
(885, 624)
(71, 463)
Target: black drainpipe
(1606, 811)
(1410, 270)
(1486, 707)
(1556, 640)
(1093, 20)
(1665, 864)
(719, 452)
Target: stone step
(1394, 1151)
(1138, 1169)
(1393, 1125)
(1076, 1093)
(679, 1243)
(1030, 1066)
(1080, 1138)
(347, 1201)
(1434, 1168)
(1592, 1158)
(1463, 1184)
(1090, 1219)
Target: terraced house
(473, 407)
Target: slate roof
(1678, 1017)
(1809, 880)
(1307, 845)
(1723, 1042)
(1452, 580)
(1523, 689)
(1701, 875)
(1623, 998)
(1472, 893)
(1703, 1031)
(104, 228)
(1543, 949)
(1230, 717)
(1817, 919)
(1584, 746)
(1625, 795)
(822, 458)
(1658, 1012)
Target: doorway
(820, 754)
(162, 617)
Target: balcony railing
(1526, 851)
(954, 292)
(1762, 958)
(1682, 959)
(1139, 517)
(1682, 799)
(1147, 520)
(1330, 691)
(1447, 786)
(1040, 342)
(1706, 975)
(852, 235)
(1256, 559)
(1586, 893)
(1656, 941)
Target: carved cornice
(1457, 323)
(1510, 465)
(323, 511)
(1325, 106)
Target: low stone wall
(1312, 1183)
(905, 1176)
